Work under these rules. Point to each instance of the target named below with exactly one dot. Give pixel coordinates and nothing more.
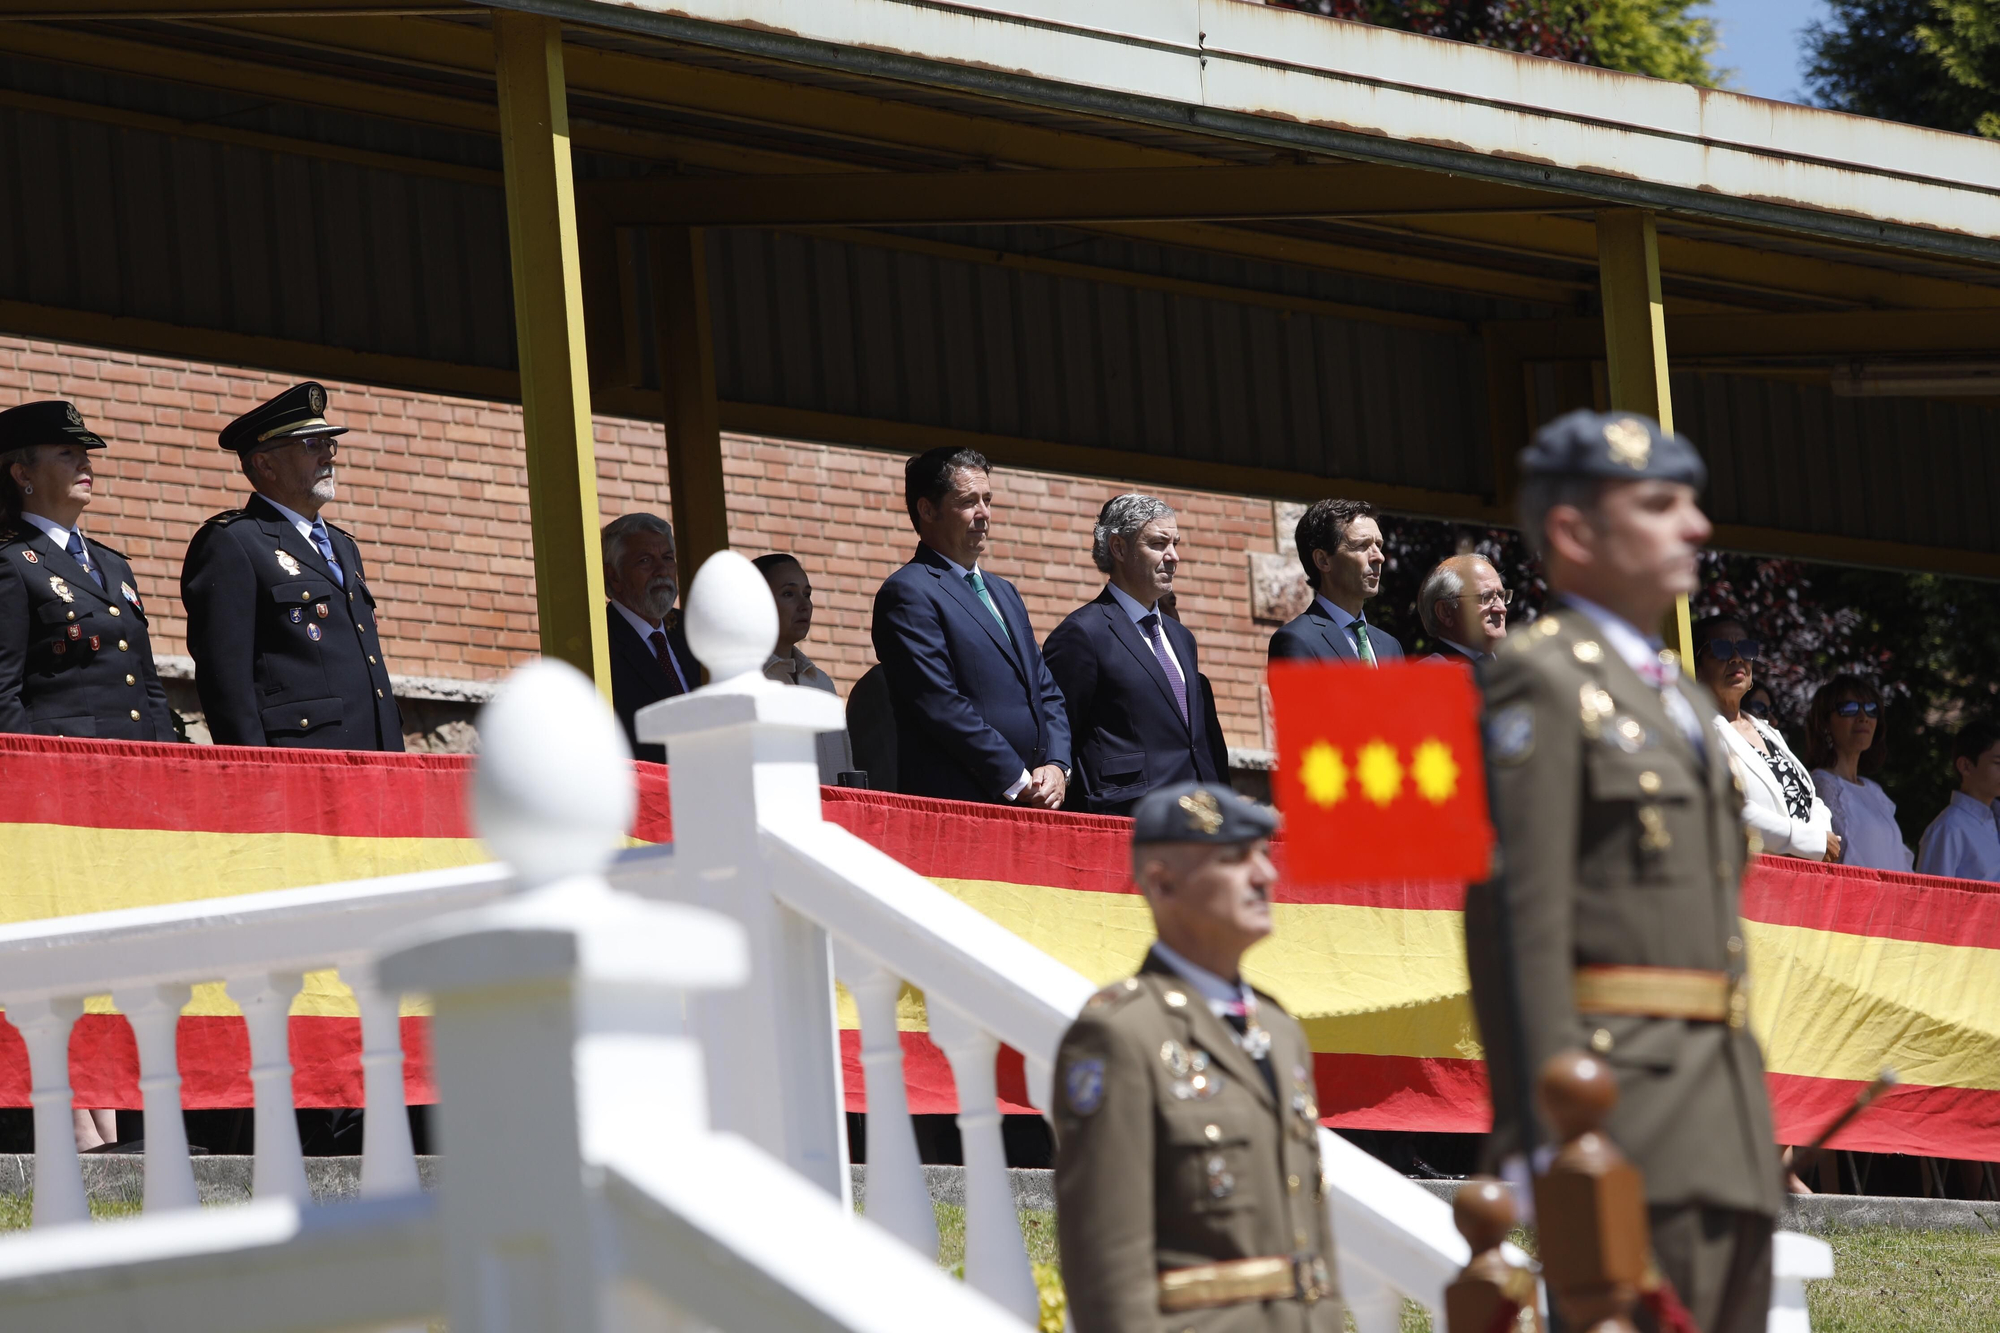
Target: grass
(17, 1211)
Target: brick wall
(435, 491)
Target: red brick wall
(435, 491)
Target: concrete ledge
(121, 1177)
(1817, 1214)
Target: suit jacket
(1218, 744)
(1313, 636)
(284, 654)
(1624, 846)
(1446, 652)
(871, 729)
(1163, 1163)
(75, 659)
(974, 704)
(1126, 731)
(638, 679)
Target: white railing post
(266, 998)
(898, 1199)
(155, 1015)
(996, 1258)
(388, 1160)
(742, 756)
(45, 1026)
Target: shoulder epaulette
(1117, 993)
(224, 518)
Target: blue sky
(1760, 41)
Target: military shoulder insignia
(226, 516)
(1204, 812)
(30, 557)
(1510, 733)
(286, 563)
(1083, 1084)
(1115, 993)
(1630, 443)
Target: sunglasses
(1758, 707)
(1855, 708)
(1724, 649)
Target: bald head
(1459, 601)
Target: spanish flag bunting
(1380, 772)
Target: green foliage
(1934, 63)
(1663, 38)
(1964, 36)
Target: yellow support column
(687, 377)
(548, 314)
(1635, 344)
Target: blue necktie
(75, 549)
(326, 549)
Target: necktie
(666, 655)
(1154, 637)
(1360, 628)
(979, 586)
(75, 548)
(325, 544)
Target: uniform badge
(31, 557)
(312, 632)
(1510, 734)
(95, 643)
(75, 417)
(58, 647)
(1175, 1057)
(319, 609)
(60, 589)
(298, 615)
(316, 397)
(131, 595)
(1204, 813)
(1202, 1083)
(1629, 735)
(286, 563)
(1221, 1184)
(1630, 443)
(1083, 1084)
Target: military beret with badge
(1200, 812)
(297, 413)
(1612, 446)
(49, 421)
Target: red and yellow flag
(1380, 772)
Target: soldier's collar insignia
(1630, 443)
(286, 563)
(1204, 813)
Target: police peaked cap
(1612, 446)
(297, 412)
(1200, 812)
(51, 421)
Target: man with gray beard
(281, 623)
(650, 659)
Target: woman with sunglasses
(1778, 798)
(1845, 738)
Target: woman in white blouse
(1778, 797)
(793, 592)
(1845, 738)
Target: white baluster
(1041, 1079)
(388, 1161)
(898, 1199)
(45, 1027)
(996, 1258)
(155, 1015)
(266, 997)
(1375, 1306)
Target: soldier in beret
(1188, 1186)
(1621, 827)
(280, 620)
(75, 659)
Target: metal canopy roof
(1197, 242)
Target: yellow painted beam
(548, 314)
(687, 374)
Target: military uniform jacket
(1623, 845)
(285, 655)
(75, 659)
(1172, 1152)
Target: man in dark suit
(1463, 606)
(1218, 744)
(1340, 545)
(650, 658)
(1127, 671)
(978, 717)
(280, 620)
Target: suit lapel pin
(298, 615)
(312, 632)
(319, 609)
(131, 595)
(95, 643)
(286, 563)
(31, 557)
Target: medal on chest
(1195, 1078)
(286, 563)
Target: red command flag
(1380, 772)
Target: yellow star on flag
(1434, 771)
(1381, 776)
(1323, 775)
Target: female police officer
(74, 656)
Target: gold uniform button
(1649, 782)
(1175, 1000)
(1292, 1184)
(135, 715)
(1299, 1238)
(378, 694)
(1213, 1133)
(72, 615)
(303, 722)
(305, 597)
(1735, 945)
(131, 679)
(122, 645)
(1600, 1041)
(371, 659)
(1587, 651)
(113, 610)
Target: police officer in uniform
(280, 620)
(1620, 823)
(75, 659)
(1188, 1187)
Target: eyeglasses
(1724, 649)
(312, 444)
(1854, 708)
(1760, 707)
(1505, 597)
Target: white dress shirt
(1346, 622)
(59, 534)
(296, 519)
(1764, 807)
(1133, 608)
(646, 629)
(1963, 842)
(1865, 819)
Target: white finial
(732, 622)
(553, 792)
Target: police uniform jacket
(1623, 846)
(284, 654)
(1173, 1151)
(75, 659)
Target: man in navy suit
(650, 660)
(978, 717)
(1340, 545)
(1128, 671)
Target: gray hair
(1541, 493)
(622, 529)
(1441, 584)
(1123, 516)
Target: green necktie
(979, 586)
(1360, 628)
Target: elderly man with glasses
(1464, 609)
(280, 619)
